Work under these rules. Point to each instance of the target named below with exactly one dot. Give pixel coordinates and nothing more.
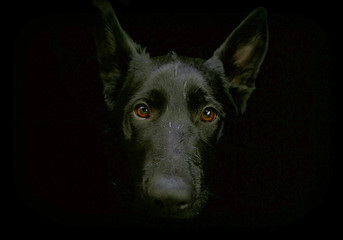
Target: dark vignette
(59, 172)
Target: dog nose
(170, 195)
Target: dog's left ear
(242, 54)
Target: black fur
(173, 148)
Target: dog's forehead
(176, 77)
(173, 83)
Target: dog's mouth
(182, 210)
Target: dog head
(173, 110)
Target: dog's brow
(196, 96)
(156, 95)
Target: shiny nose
(170, 195)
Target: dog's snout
(170, 195)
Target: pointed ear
(115, 50)
(242, 54)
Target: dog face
(174, 110)
(172, 119)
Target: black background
(60, 176)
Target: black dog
(173, 111)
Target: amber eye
(142, 111)
(208, 114)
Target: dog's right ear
(115, 50)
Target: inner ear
(242, 54)
(245, 53)
(245, 63)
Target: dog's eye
(142, 111)
(208, 115)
